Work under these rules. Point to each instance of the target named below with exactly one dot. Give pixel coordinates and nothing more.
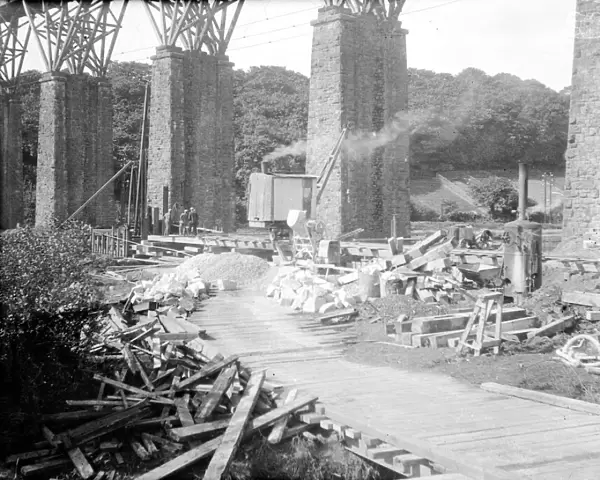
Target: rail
(114, 242)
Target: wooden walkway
(469, 431)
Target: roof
(294, 175)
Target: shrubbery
(422, 213)
(47, 299)
(499, 196)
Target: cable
(429, 8)
(270, 41)
(270, 31)
(276, 16)
(284, 28)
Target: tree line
(467, 121)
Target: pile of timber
(445, 330)
(169, 402)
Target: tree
(499, 196)
(270, 110)
(129, 81)
(473, 120)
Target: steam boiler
(522, 266)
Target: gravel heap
(244, 270)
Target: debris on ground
(424, 272)
(581, 351)
(232, 268)
(165, 402)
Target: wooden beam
(234, 433)
(587, 299)
(206, 449)
(540, 397)
(279, 428)
(194, 432)
(213, 398)
(207, 371)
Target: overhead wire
(432, 7)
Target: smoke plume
(296, 148)
(367, 142)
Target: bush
(48, 300)
(422, 213)
(241, 213)
(499, 196)
(465, 217)
(555, 214)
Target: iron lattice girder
(382, 9)
(194, 24)
(78, 35)
(14, 40)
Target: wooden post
(156, 223)
(127, 240)
(165, 203)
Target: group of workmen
(188, 220)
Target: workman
(175, 214)
(167, 223)
(183, 221)
(193, 221)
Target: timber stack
(166, 400)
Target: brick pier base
(11, 163)
(359, 75)
(582, 181)
(74, 149)
(191, 150)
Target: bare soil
(528, 365)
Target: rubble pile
(164, 401)
(231, 269)
(424, 272)
(303, 290)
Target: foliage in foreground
(297, 460)
(47, 299)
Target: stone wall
(11, 163)
(166, 149)
(74, 149)
(191, 147)
(582, 182)
(359, 76)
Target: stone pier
(74, 149)
(191, 148)
(359, 78)
(582, 178)
(11, 162)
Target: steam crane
(273, 197)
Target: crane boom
(329, 164)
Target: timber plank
(541, 397)
(196, 431)
(207, 371)
(206, 449)
(212, 399)
(588, 299)
(235, 431)
(279, 428)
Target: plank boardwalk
(461, 427)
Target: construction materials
(479, 317)
(557, 401)
(588, 299)
(165, 401)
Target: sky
(532, 39)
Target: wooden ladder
(481, 313)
